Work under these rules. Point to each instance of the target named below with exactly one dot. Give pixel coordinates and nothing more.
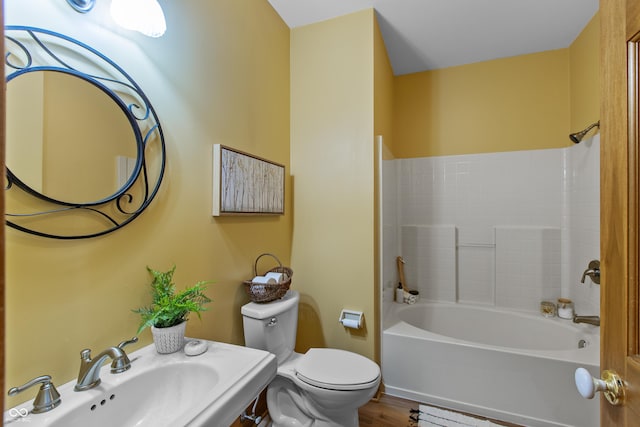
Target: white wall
(526, 224)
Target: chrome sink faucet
(591, 320)
(89, 375)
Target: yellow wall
(383, 88)
(219, 75)
(520, 103)
(332, 65)
(584, 77)
(25, 99)
(79, 118)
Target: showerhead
(577, 137)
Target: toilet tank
(272, 326)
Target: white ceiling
(430, 34)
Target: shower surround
(502, 229)
(496, 232)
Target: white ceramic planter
(169, 340)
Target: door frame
(619, 204)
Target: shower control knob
(611, 385)
(593, 272)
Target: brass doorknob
(611, 385)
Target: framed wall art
(244, 184)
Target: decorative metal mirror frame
(30, 49)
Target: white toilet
(321, 388)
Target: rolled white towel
(264, 280)
(411, 298)
(279, 277)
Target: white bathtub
(507, 365)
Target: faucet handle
(593, 271)
(86, 355)
(121, 364)
(47, 397)
(127, 342)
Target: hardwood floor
(382, 411)
(386, 411)
(390, 411)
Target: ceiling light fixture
(145, 16)
(82, 6)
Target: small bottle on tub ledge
(565, 308)
(548, 309)
(400, 293)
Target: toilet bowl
(321, 388)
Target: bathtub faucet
(592, 320)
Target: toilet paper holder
(351, 319)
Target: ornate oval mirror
(85, 150)
(65, 147)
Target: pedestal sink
(211, 389)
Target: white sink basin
(211, 389)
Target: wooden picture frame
(244, 184)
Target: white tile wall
(429, 252)
(476, 274)
(477, 192)
(528, 266)
(553, 194)
(582, 224)
(390, 241)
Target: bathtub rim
(590, 355)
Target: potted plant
(169, 310)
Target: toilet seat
(335, 369)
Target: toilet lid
(336, 369)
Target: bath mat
(429, 416)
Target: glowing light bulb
(145, 16)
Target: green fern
(169, 308)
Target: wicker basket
(265, 292)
